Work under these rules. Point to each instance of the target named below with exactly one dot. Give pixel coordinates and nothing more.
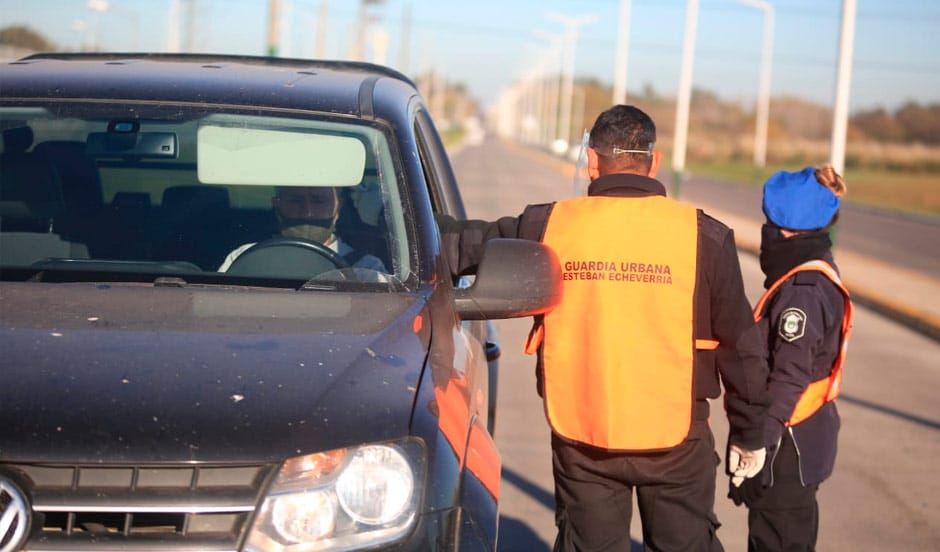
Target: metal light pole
(173, 27)
(323, 15)
(551, 86)
(684, 98)
(840, 116)
(763, 94)
(362, 29)
(567, 86)
(533, 99)
(189, 26)
(622, 54)
(274, 26)
(404, 51)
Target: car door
(470, 363)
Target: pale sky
(486, 44)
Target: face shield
(581, 178)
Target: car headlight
(345, 498)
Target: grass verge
(900, 191)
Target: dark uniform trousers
(784, 517)
(675, 495)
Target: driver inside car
(310, 213)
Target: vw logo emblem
(14, 516)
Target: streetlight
(763, 94)
(551, 85)
(274, 26)
(362, 28)
(840, 117)
(684, 98)
(567, 91)
(530, 104)
(623, 48)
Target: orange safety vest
(827, 389)
(617, 353)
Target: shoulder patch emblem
(792, 324)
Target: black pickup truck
(225, 319)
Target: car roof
(320, 85)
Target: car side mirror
(515, 278)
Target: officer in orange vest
(805, 317)
(653, 321)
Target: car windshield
(98, 191)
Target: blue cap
(797, 201)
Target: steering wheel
(286, 257)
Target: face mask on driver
(315, 230)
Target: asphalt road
(885, 493)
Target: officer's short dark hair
(623, 127)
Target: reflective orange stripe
(706, 344)
(534, 341)
(618, 351)
(827, 389)
(482, 458)
(813, 398)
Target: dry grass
(914, 192)
(889, 176)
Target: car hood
(132, 373)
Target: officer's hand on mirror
(744, 464)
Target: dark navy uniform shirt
(803, 329)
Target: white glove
(744, 464)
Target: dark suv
(225, 319)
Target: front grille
(154, 508)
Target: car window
(199, 194)
(430, 176)
(442, 186)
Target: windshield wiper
(311, 285)
(169, 281)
